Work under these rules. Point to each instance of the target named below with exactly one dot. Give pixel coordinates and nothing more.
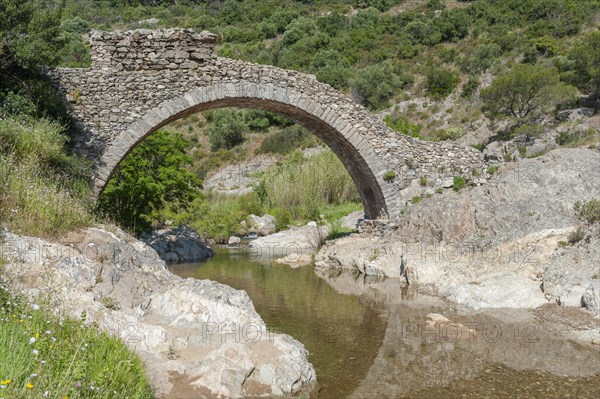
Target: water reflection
(433, 349)
(375, 338)
(342, 332)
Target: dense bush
(225, 129)
(441, 82)
(403, 125)
(588, 211)
(375, 85)
(154, 174)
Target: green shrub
(459, 183)
(375, 85)
(416, 199)
(452, 133)
(530, 131)
(492, 169)
(423, 181)
(576, 236)
(470, 87)
(588, 211)
(441, 82)
(389, 175)
(578, 138)
(225, 128)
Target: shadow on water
(372, 338)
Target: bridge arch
(334, 130)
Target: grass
(48, 356)
(42, 191)
(304, 186)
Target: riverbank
(176, 326)
(370, 337)
(516, 242)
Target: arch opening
(364, 178)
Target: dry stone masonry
(144, 79)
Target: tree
(526, 92)
(225, 129)
(153, 175)
(30, 37)
(586, 68)
(331, 67)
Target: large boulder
(179, 244)
(262, 225)
(296, 240)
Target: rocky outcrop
(239, 178)
(179, 244)
(205, 335)
(573, 271)
(490, 246)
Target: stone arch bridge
(142, 80)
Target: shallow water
(370, 338)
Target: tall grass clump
(43, 190)
(48, 356)
(304, 186)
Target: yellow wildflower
(5, 382)
(37, 335)
(29, 385)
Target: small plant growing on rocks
(389, 175)
(588, 211)
(492, 169)
(416, 199)
(423, 181)
(110, 303)
(439, 190)
(459, 183)
(576, 236)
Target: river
(373, 338)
